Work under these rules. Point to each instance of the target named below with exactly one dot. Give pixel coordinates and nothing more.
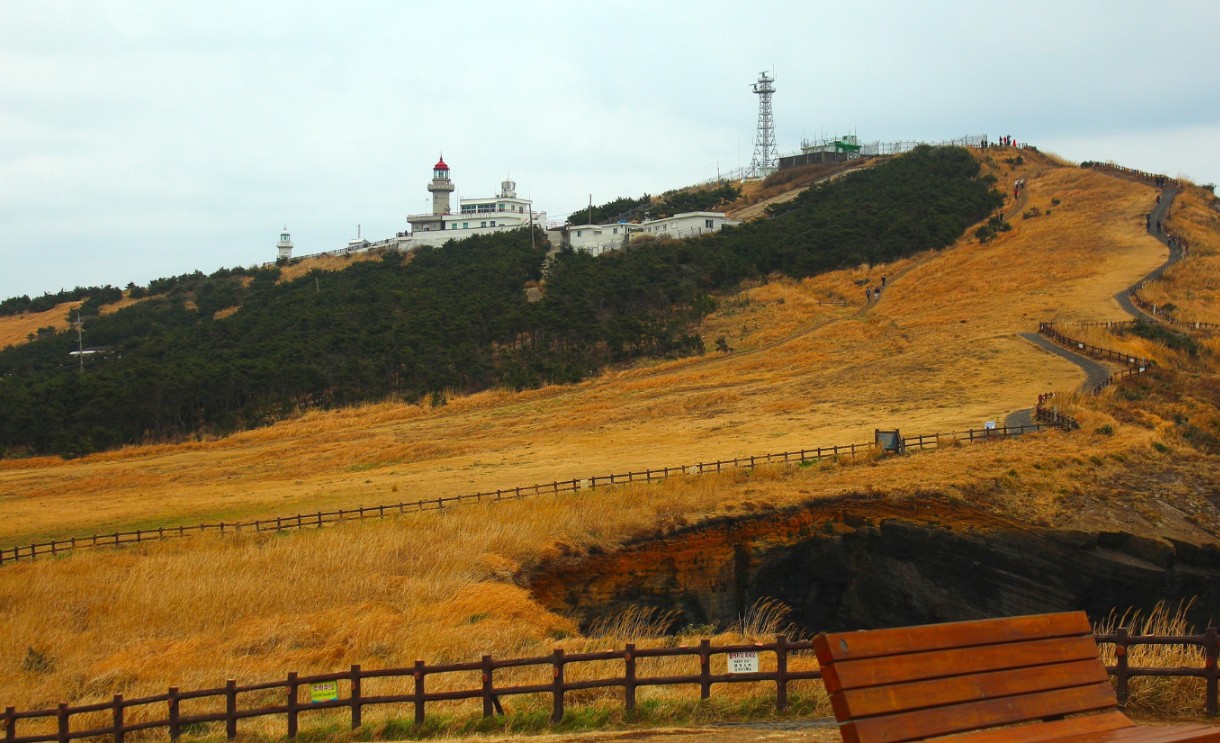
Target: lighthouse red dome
(440, 164)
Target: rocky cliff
(859, 562)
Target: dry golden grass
(1193, 284)
(16, 329)
(438, 586)
(299, 268)
(1173, 698)
(938, 353)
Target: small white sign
(989, 425)
(745, 661)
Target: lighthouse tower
(440, 187)
(284, 246)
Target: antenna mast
(766, 154)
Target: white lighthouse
(284, 246)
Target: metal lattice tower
(766, 154)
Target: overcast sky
(147, 139)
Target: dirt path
(815, 731)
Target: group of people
(1017, 186)
(873, 293)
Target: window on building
(579, 232)
(493, 223)
(482, 224)
(707, 223)
(465, 225)
(615, 231)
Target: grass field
(939, 352)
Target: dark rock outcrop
(859, 562)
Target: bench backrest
(913, 683)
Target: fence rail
(1155, 179)
(1160, 313)
(1048, 329)
(318, 519)
(355, 689)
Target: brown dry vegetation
(1192, 285)
(15, 329)
(940, 352)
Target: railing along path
(316, 519)
(356, 689)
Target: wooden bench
(1021, 679)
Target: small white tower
(508, 189)
(284, 246)
(440, 187)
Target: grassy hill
(810, 363)
(238, 349)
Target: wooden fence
(1050, 415)
(323, 518)
(1159, 313)
(1155, 179)
(1048, 329)
(356, 688)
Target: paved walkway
(1096, 373)
(1158, 214)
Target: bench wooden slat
(843, 646)
(855, 674)
(1018, 680)
(1055, 730)
(874, 700)
(925, 723)
(1159, 734)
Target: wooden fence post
(781, 673)
(419, 693)
(231, 709)
(64, 736)
(292, 705)
(1211, 650)
(705, 668)
(175, 730)
(356, 694)
(629, 677)
(1121, 689)
(118, 718)
(557, 686)
(487, 687)
(10, 723)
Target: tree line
(451, 319)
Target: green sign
(326, 691)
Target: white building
(478, 216)
(600, 238)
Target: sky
(143, 139)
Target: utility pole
(590, 208)
(80, 341)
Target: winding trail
(1095, 372)
(1159, 212)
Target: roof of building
(440, 164)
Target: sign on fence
(890, 441)
(324, 691)
(745, 661)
